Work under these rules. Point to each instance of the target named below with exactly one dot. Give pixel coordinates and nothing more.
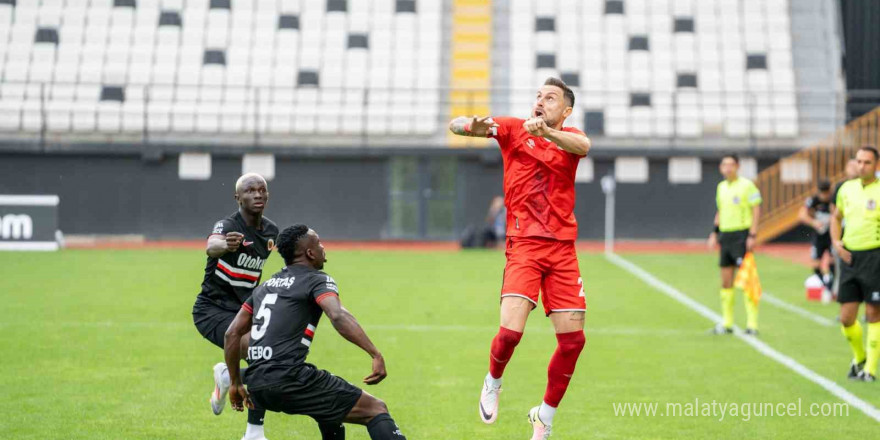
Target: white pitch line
(819, 319)
(412, 328)
(759, 345)
(548, 330)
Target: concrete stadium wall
(125, 195)
(342, 197)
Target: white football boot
(540, 431)
(221, 387)
(489, 403)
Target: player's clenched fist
(233, 241)
(536, 127)
(379, 372)
(238, 398)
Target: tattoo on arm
(461, 126)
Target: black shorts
(733, 247)
(212, 320)
(309, 392)
(860, 281)
(820, 245)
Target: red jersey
(538, 182)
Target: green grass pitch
(100, 345)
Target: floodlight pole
(608, 187)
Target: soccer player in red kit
(540, 160)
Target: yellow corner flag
(747, 278)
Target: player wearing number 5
(736, 225)
(858, 203)
(540, 160)
(282, 317)
(237, 249)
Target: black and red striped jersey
(286, 313)
(230, 279)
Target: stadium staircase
(786, 184)
(470, 64)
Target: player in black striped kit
(816, 213)
(237, 250)
(282, 317)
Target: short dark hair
(733, 156)
(288, 241)
(566, 91)
(824, 185)
(871, 149)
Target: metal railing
(786, 184)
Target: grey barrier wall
(344, 198)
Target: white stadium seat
(102, 44)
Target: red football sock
(502, 349)
(562, 365)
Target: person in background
(816, 213)
(496, 221)
(735, 231)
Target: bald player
(237, 248)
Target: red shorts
(547, 266)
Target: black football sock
(332, 431)
(255, 416)
(382, 427)
(818, 273)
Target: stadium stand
(677, 70)
(209, 66)
(662, 67)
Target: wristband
(716, 229)
(467, 127)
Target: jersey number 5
(258, 331)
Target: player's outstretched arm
(238, 396)
(347, 326)
(475, 127)
(218, 244)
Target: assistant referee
(736, 225)
(857, 204)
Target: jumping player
(282, 317)
(540, 160)
(237, 249)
